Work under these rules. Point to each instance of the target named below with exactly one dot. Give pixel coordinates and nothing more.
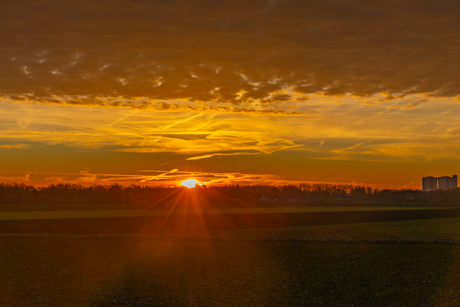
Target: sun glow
(190, 183)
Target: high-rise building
(441, 183)
(444, 182)
(429, 183)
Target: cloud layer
(244, 53)
(285, 87)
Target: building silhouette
(429, 183)
(439, 183)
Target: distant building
(441, 183)
(447, 183)
(429, 183)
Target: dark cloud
(411, 105)
(228, 51)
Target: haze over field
(265, 92)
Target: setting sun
(190, 183)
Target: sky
(241, 92)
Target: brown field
(231, 257)
(198, 221)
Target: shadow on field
(206, 223)
(352, 274)
(144, 271)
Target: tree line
(11, 193)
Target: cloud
(193, 136)
(212, 177)
(146, 104)
(243, 53)
(223, 154)
(411, 105)
(141, 177)
(16, 179)
(125, 130)
(346, 149)
(415, 151)
(161, 177)
(201, 157)
(86, 177)
(17, 146)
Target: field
(263, 257)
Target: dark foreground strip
(310, 240)
(207, 223)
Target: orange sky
(270, 92)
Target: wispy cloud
(336, 151)
(17, 146)
(185, 133)
(223, 154)
(141, 177)
(325, 47)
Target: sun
(190, 183)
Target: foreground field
(445, 230)
(43, 214)
(152, 271)
(389, 258)
(153, 222)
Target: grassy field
(446, 229)
(42, 214)
(199, 221)
(146, 271)
(388, 263)
(229, 205)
